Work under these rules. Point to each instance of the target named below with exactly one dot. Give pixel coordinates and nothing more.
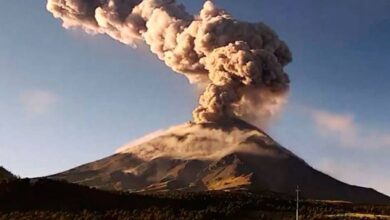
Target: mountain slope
(5, 174)
(224, 156)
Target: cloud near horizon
(38, 101)
(347, 132)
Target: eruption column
(241, 63)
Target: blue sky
(68, 98)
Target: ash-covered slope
(223, 156)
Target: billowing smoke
(196, 141)
(241, 63)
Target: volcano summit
(239, 67)
(225, 156)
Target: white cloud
(38, 101)
(344, 129)
(357, 174)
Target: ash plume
(240, 63)
(197, 141)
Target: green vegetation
(48, 199)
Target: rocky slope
(225, 156)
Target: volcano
(232, 155)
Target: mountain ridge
(226, 156)
(5, 174)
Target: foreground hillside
(5, 174)
(48, 199)
(214, 156)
